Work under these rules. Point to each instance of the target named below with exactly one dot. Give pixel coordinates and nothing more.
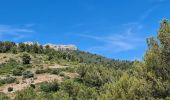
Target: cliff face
(56, 47)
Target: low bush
(4, 96)
(9, 80)
(40, 71)
(26, 58)
(17, 82)
(18, 71)
(8, 67)
(49, 86)
(56, 71)
(70, 69)
(32, 85)
(28, 66)
(27, 74)
(62, 74)
(10, 89)
(26, 94)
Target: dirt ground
(38, 78)
(6, 56)
(71, 75)
(26, 83)
(57, 66)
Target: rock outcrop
(56, 47)
(62, 47)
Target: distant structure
(31, 43)
(56, 47)
(62, 47)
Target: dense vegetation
(99, 78)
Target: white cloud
(147, 13)
(15, 32)
(115, 42)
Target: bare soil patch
(57, 66)
(26, 83)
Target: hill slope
(31, 72)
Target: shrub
(66, 77)
(9, 80)
(17, 82)
(49, 87)
(26, 94)
(61, 95)
(8, 67)
(40, 71)
(56, 71)
(3, 96)
(18, 71)
(70, 69)
(10, 89)
(27, 74)
(62, 74)
(28, 66)
(26, 58)
(95, 75)
(32, 85)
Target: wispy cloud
(146, 13)
(115, 42)
(14, 32)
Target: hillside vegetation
(32, 72)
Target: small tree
(26, 58)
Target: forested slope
(98, 78)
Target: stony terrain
(24, 83)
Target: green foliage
(56, 71)
(61, 95)
(6, 46)
(127, 88)
(18, 71)
(49, 86)
(7, 80)
(40, 71)
(4, 96)
(99, 78)
(78, 91)
(32, 85)
(27, 74)
(26, 94)
(26, 58)
(95, 75)
(7, 68)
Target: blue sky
(112, 28)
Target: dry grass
(4, 57)
(71, 75)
